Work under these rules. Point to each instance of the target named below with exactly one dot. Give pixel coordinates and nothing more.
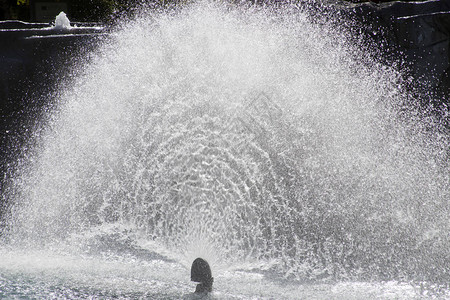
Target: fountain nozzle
(201, 273)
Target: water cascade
(262, 142)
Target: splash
(62, 22)
(255, 133)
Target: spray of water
(250, 135)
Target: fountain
(62, 22)
(252, 138)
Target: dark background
(77, 10)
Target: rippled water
(270, 146)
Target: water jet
(255, 132)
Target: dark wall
(417, 33)
(77, 10)
(46, 10)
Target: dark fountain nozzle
(201, 272)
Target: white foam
(47, 273)
(62, 22)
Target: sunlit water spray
(250, 138)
